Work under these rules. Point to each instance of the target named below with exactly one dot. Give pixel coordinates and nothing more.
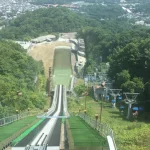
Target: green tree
(80, 89)
(122, 77)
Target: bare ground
(45, 52)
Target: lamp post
(50, 71)
(101, 110)
(101, 107)
(96, 117)
(84, 113)
(79, 111)
(85, 104)
(17, 112)
(28, 110)
(85, 94)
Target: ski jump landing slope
(62, 70)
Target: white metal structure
(115, 93)
(130, 99)
(65, 106)
(110, 143)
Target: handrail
(66, 113)
(72, 83)
(13, 118)
(110, 142)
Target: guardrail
(65, 104)
(10, 119)
(72, 83)
(13, 118)
(30, 147)
(102, 128)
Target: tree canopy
(18, 72)
(103, 12)
(45, 21)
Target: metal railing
(29, 147)
(7, 142)
(10, 119)
(13, 118)
(65, 103)
(72, 83)
(102, 128)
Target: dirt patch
(45, 52)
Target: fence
(10, 119)
(102, 128)
(7, 142)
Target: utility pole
(130, 99)
(108, 85)
(49, 80)
(101, 108)
(50, 71)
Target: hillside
(45, 21)
(18, 73)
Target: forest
(18, 72)
(45, 21)
(124, 45)
(103, 12)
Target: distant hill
(45, 21)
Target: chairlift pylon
(130, 99)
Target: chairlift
(122, 107)
(135, 108)
(141, 108)
(113, 101)
(119, 97)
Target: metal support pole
(84, 113)
(129, 110)
(101, 110)
(85, 104)
(96, 117)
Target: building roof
(43, 38)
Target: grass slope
(62, 67)
(25, 133)
(83, 134)
(9, 130)
(128, 135)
